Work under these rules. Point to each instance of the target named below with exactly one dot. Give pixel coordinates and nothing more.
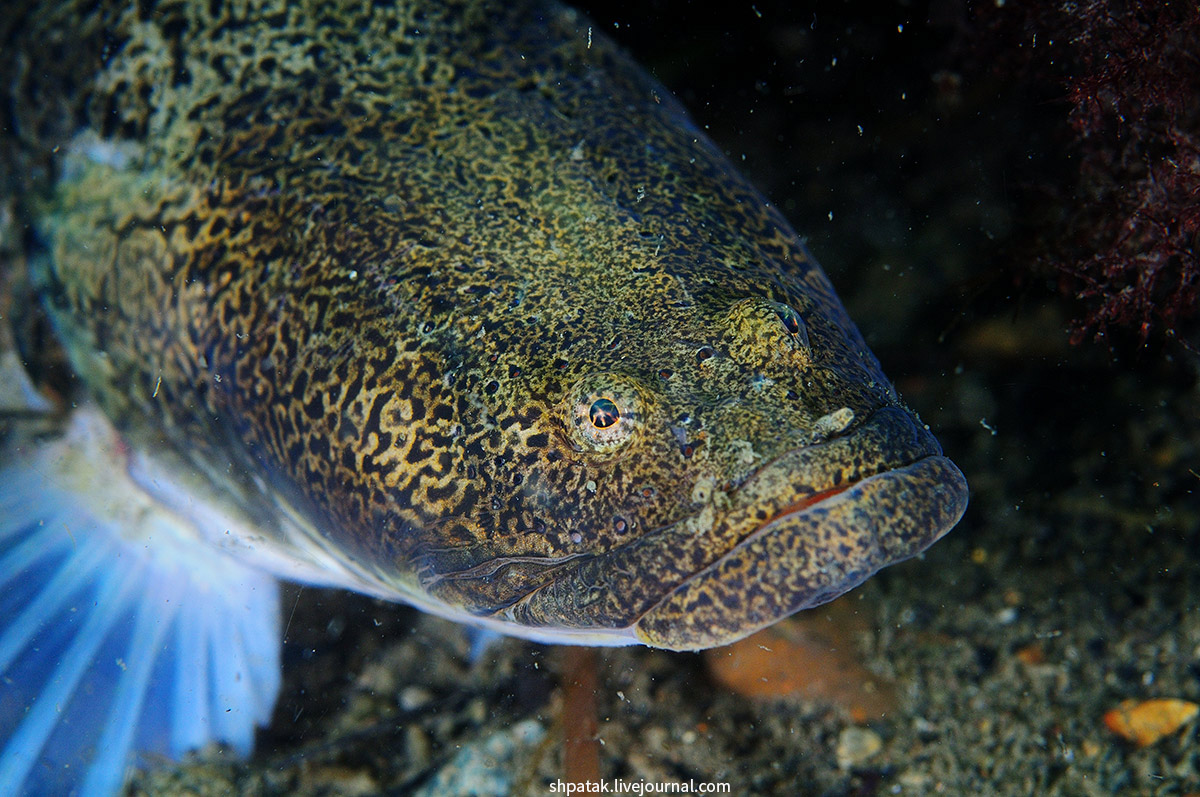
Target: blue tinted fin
(481, 640)
(121, 631)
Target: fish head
(729, 460)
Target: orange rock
(810, 656)
(1144, 722)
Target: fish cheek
(622, 473)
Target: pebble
(485, 768)
(856, 745)
(414, 697)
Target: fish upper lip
(802, 503)
(801, 478)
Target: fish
(450, 304)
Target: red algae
(1128, 244)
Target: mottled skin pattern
(376, 264)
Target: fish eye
(604, 412)
(792, 322)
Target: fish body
(450, 303)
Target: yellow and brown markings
(468, 289)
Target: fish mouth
(801, 530)
(811, 552)
(824, 519)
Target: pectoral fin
(119, 635)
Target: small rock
(485, 768)
(856, 745)
(1032, 655)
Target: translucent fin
(121, 631)
(482, 640)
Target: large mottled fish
(443, 302)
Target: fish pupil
(604, 413)
(790, 320)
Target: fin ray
(57, 591)
(150, 627)
(21, 751)
(122, 631)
